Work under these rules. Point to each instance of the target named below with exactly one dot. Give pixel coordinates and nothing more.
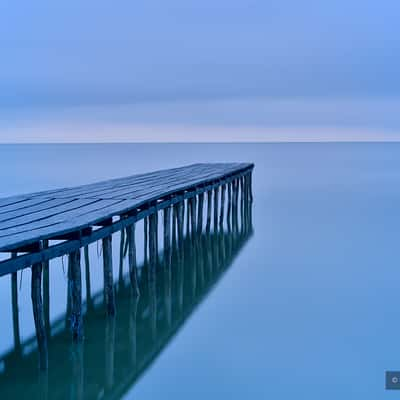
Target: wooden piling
(222, 210)
(167, 229)
(46, 291)
(38, 315)
(187, 214)
(200, 214)
(146, 235)
(132, 259)
(89, 301)
(75, 282)
(174, 224)
(216, 192)
(241, 185)
(153, 240)
(15, 309)
(156, 235)
(180, 223)
(229, 211)
(209, 200)
(121, 258)
(167, 237)
(251, 186)
(109, 295)
(235, 204)
(193, 202)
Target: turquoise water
(308, 307)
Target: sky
(335, 61)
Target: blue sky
(100, 52)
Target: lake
(302, 304)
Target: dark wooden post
(152, 273)
(153, 240)
(132, 259)
(241, 182)
(174, 225)
(167, 237)
(180, 223)
(200, 214)
(216, 190)
(109, 295)
(229, 211)
(187, 213)
(167, 228)
(146, 233)
(38, 315)
(15, 310)
(193, 202)
(209, 199)
(156, 235)
(121, 258)
(221, 216)
(89, 301)
(46, 291)
(75, 282)
(235, 204)
(251, 186)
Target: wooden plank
(53, 216)
(37, 211)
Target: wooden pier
(38, 227)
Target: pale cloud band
(231, 120)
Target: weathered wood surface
(27, 219)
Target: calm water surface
(304, 305)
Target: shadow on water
(116, 351)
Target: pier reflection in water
(117, 350)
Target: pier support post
(222, 211)
(152, 249)
(15, 309)
(75, 282)
(216, 190)
(241, 183)
(187, 209)
(180, 223)
(167, 236)
(229, 211)
(174, 225)
(192, 208)
(146, 238)
(46, 291)
(109, 295)
(209, 199)
(200, 214)
(132, 259)
(251, 186)
(38, 315)
(89, 301)
(235, 194)
(121, 258)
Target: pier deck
(73, 214)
